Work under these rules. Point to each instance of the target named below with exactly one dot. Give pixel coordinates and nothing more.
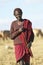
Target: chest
(17, 26)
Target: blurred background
(32, 10)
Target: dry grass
(37, 49)
(7, 56)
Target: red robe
(21, 51)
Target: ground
(7, 56)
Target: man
(22, 34)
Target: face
(18, 15)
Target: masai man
(22, 34)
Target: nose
(18, 16)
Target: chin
(19, 19)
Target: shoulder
(13, 23)
(28, 21)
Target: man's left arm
(30, 34)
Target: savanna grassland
(7, 56)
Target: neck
(20, 20)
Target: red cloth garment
(21, 51)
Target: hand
(20, 30)
(29, 44)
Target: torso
(17, 26)
(20, 38)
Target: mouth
(19, 18)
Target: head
(18, 13)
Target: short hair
(18, 9)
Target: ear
(22, 13)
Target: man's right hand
(20, 30)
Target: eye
(18, 15)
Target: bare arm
(13, 33)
